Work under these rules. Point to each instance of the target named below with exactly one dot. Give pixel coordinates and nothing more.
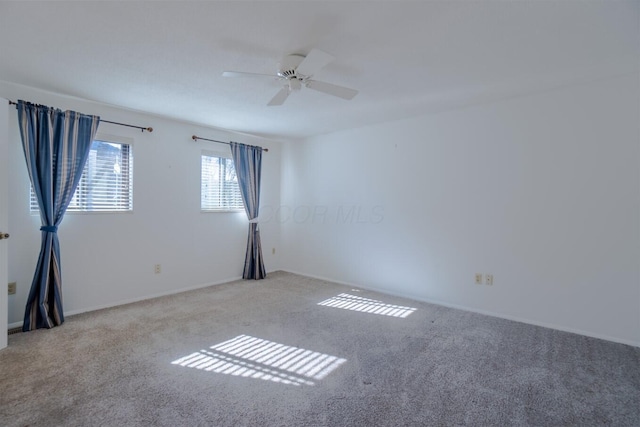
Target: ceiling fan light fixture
(294, 84)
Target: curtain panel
(56, 146)
(247, 160)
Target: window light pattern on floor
(366, 305)
(252, 357)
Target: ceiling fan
(296, 71)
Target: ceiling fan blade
(280, 97)
(331, 89)
(243, 74)
(315, 60)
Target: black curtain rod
(149, 129)
(195, 138)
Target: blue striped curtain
(247, 160)
(56, 146)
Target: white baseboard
(137, 299)
(143, 298)
(474, 310)
(370, 288)
(151, 296)
(15, 325)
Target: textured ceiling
(406, 58)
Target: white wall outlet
(489, 279)
(157, 269)
(478, 278)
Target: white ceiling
(406, 58)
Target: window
(106, 184)
(219, 190)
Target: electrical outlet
(489, 279)
(12, 288)
(157, 269)
(478, 278)
(273, 251)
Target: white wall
(108, 259)
(541, 191)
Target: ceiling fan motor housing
(289, 65)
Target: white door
(4, 196)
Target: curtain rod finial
(195, 138)
(149, 129)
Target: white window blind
(106, 184)
(219, 190)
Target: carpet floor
(295, 351)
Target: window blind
(106, 184)
(219, 190)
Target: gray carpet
(264, 353)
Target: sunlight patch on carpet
(366, 305)
(252, 357)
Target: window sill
(37, 213)
(205, 211)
